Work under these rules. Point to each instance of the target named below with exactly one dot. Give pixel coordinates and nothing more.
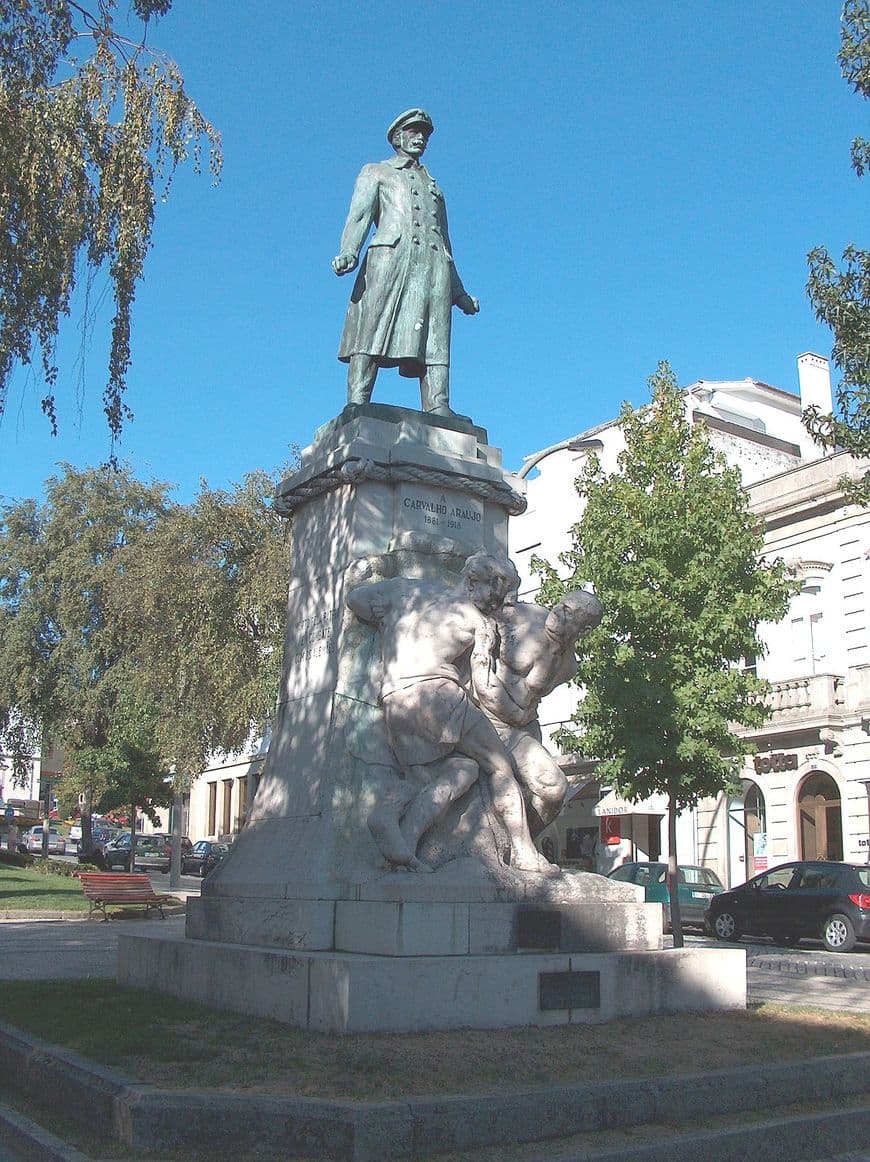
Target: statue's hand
(468, 305)
(359, 571)
(344, 263)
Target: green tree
(68, 670)
(84, 146)
(675, 557)
(841, 295)
(205, 598)
(138, 634)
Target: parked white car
(32, 841)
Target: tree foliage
(139, 634)
(205, 600)
(841, 295)
(675, 557)
(66, 667)
(90, 124)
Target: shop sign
(610, 830)
(766, 763)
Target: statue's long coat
(399, 311)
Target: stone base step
(337, 992)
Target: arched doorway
(820, 818)
(747, 823)
(755, 828)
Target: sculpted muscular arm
(371, 602)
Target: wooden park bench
(102, 888)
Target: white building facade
(805, 792)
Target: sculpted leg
(453, 777)
(435, 390)
(484, 745)
(383, 823)
(543, 783)
(361, 373)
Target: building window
(227, 816)
(243, 803)
(808, 643)
(212, 808)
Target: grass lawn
(29, 889)
(51, 887)
(172, 1043)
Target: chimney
(814, 378)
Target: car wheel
(725, 926)
(838, 934)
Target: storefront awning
(612, 804)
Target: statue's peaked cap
(411, 117)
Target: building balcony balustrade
(818, 696)
(811, 701)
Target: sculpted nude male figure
(536, 654)
(433, 640)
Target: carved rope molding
(355, 471)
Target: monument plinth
(307, 920)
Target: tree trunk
(175, 858)
(86, 818)
(132, 866)
(673, 873)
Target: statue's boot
(435, 391)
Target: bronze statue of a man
(399, 312)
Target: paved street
(807, 975)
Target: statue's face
(569, 620)
(484, 590)
(412, 141)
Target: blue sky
(627, 181)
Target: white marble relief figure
(536, 653)
(438, 642)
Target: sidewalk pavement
(48, 949)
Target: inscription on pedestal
(569, 990)
(310, 652)
(441, 512)
(313, 636)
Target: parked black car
(811, 899)
(152, 853)
(203, 856)
(100, 837)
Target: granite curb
(31, 1142)
(807, 966)
(47, 914)
(803, 1138)
(142, 1117)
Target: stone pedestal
(304, 920)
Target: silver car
(33, 842)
